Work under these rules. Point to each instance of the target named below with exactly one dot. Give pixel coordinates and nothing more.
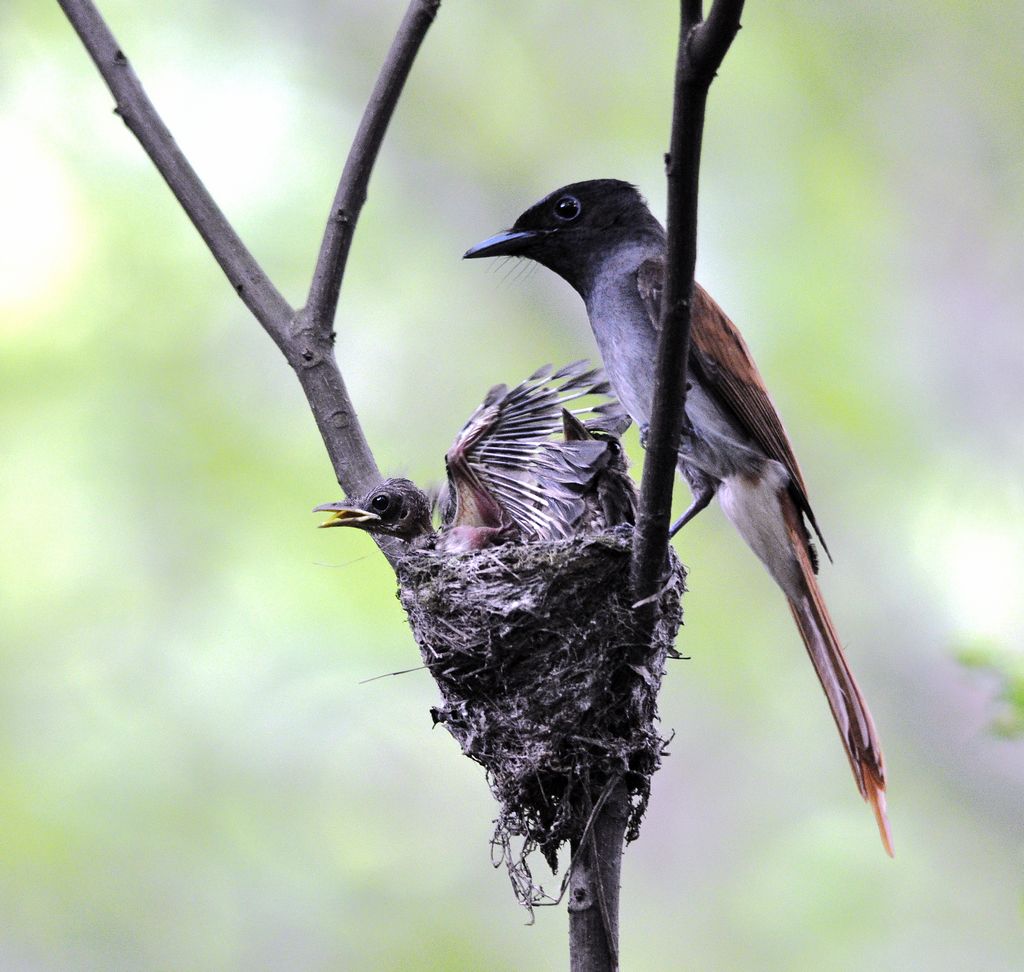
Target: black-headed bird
(601, 238)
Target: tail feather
(850, 711)
(765, 512)
(876, 797)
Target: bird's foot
(700, 501)
(687, 438)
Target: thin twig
(403, 671)
(702, 46)
(351, 194)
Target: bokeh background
(195, 772)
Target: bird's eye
(380, 503)
(567, 208)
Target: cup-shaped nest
(544, 677)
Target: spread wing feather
(506, 452)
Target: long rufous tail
(849, 709)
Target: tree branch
(351, 194)
(307, 349)
(702, 46)
(711, 40)
(594, 881)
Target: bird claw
(687, 438)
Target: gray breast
(624, 332)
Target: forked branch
(702, 46)
(303, 336)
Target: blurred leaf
(1008, 668)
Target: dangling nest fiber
(543, 681)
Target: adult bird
(602, 239)
(508, 478)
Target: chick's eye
(567, 208)
(380, 503)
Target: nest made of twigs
(544, 679)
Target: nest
(544, 680)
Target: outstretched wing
(503, 467)
(723, 361)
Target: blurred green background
(193, 774)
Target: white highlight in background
(40, 231)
